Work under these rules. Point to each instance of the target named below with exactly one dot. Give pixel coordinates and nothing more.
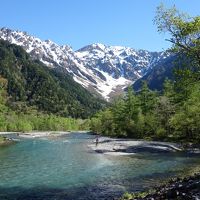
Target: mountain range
(103, 70)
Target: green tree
(131, 111)
(147, 98)
(184, 31)
(185, 39)
(186, 121)
(164, 111)
(3, 90)
(168, 89)
(119, 117)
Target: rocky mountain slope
(157, 75)
(105, 70)
(32, 84)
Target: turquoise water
(65, 168)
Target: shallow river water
(65, 168)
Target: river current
(66, 168)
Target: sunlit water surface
(65, 168)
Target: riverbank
(7, 138)
(179, 188)
(115, 146)
(4, 141)
(38, 134)
(121, 146)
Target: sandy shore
(8, 133)
(128, 147)
(37, 134)
(43, 134)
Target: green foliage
(10, 121)
(131, 116)
(184, 30)
(186, 121)
(152, 116)
(24, 125)
(147, 98)
(127, 196)
(31, 83)
(102, 122)
(28, 118)
(174, 113)
(2, 139)
(185, 36)
(137, 195)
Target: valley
(105, 119)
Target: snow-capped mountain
(106, 70)
(118, 61)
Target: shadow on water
(101, 191)
(40, 193)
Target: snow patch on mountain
(97, 67)
(112, 84)
(118, 61)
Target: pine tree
(147, 98)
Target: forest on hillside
(35, 97)
(31, 83)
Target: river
(66, 168)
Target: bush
(24, 126)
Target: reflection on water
(65, 168)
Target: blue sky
(82, 22)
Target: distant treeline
(29, 118)
(171, 115)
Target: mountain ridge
(101, 69)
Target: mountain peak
(91, 47)
(102, 69)
(99, 45)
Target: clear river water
(67, 169)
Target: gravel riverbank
(176, 189)
(128, 146)
(35, 134)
